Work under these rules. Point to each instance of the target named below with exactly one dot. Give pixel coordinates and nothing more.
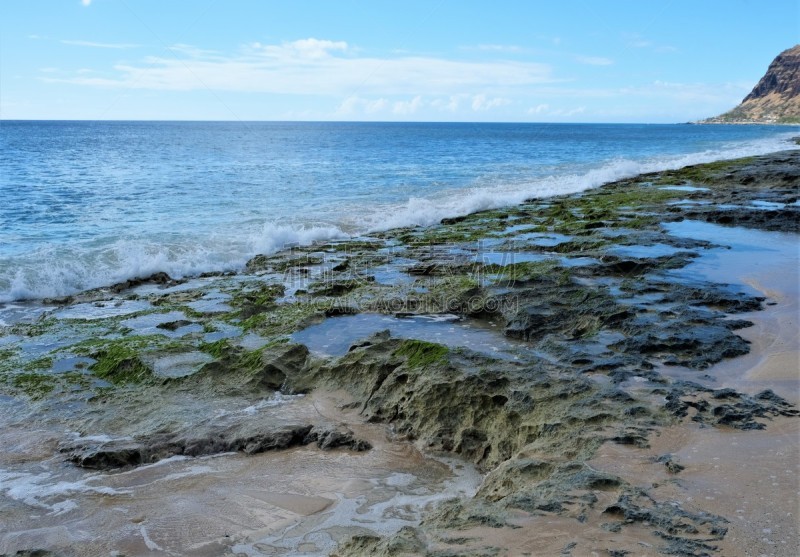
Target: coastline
(742, 122)
(596, 367)
(186, 242)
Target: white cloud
(318, 67)
(404, 108)
(482, 102)
(99, 45)
(499, 48)
(354, 105)
(594, 60)
(350, 105)
(86, 2)
(545, 110)
(304, 48)
(574, 111)
(378, 105)
(449, 104)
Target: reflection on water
(654, 250)
(765, 264)
(747, 255)
(335, 335)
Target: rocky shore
(546, 344)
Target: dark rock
(327, 437)
(173, 325)
(548, 306)
(340, 267)
(672, 466)
(453, 220)
(340, 287)
(632, 436)
(257, 263)
(422, 270)
(61, 301)
(725, 406)
(196, 441)
(338, 310)
(778, 220)
(375, 338)
(156, 278)
(696, 347)
(687, 533)
(707, 295)
(31, 553)
(212, 436)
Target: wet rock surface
(589, 286)
(247, 437)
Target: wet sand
(299, 501)
(749, 477)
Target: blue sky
(435, 60)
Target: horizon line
(349, 121)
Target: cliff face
(775, 98)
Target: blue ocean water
(87, 204)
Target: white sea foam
(48, 492)
(60, 271)
(103, 438)
(277, 399)
(274, 237)
(51, 272)
(420, 211)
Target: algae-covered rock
(236, 370)
(567, 490)
(119, 363)
(279, 363)
(406, 542)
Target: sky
(434, 60)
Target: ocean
(89, 204)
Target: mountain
(775, 99)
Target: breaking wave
(64, 270)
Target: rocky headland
(776, 97)
(549, 345)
